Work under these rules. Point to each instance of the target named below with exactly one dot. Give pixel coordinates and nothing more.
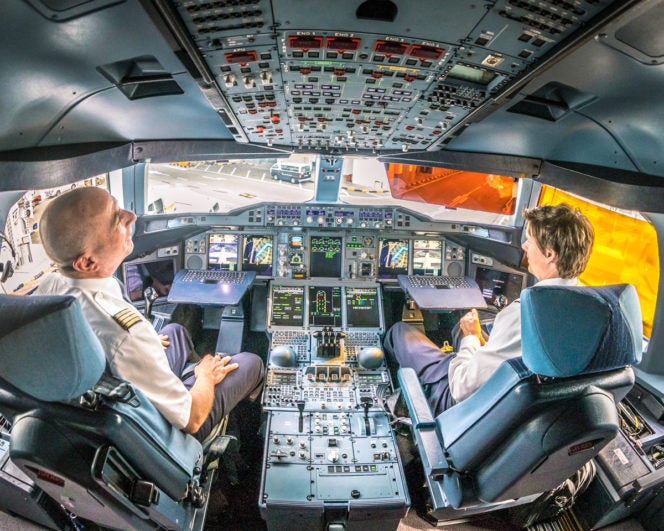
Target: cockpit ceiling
(531, 81)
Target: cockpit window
(223, 186)
(625, 249)
(454, 189)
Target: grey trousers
(410, 347)
(236, 386)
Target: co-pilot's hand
(164, 340)
(470, 325)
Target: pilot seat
(539, 418)
(91, 441)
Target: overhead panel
(295, 74)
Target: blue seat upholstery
(605, 321)
(49, 357)
(539, 418)
(44, 332)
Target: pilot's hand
(215, 367)
(164, 340)
(470, 326)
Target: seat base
(440, 513)
(21, 497)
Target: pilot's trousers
(236, 386)
(408, 346)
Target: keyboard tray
(442, 292)
(218, 288)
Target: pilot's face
(113, 229)
(542, 264)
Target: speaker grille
(454, 269)
(194, 261)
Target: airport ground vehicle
(294, 172)
(548, 100)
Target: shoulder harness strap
(110, 388)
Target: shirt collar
(95, 284)
(559, 282)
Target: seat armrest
(424, 427)
(431, 453)
(416, 402)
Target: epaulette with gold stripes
(127, 318)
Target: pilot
(88, 235)
(558, 243)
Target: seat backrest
(49, 352)
(570, 330)
(46, 348)
(539, 418)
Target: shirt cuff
(470, 342)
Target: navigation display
(362, 308)
(222, 252)
(287, 306)
(427, 257)
(493, 283)
(325, 306)
(257, 254)
(392, 258)
(325, 256)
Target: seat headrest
(571, 330)
(47, 348)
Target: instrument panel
(302, 253)
(331, 242)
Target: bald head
(86, 224)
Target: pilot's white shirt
(135, 352)
(474, 364)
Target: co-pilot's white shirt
(474, 364)
(134, 354)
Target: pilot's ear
(550, 255)
(85, 263)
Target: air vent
(383, 10)
(61, 10)
(552, 102)
(141, 77)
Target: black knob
(149, 295)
